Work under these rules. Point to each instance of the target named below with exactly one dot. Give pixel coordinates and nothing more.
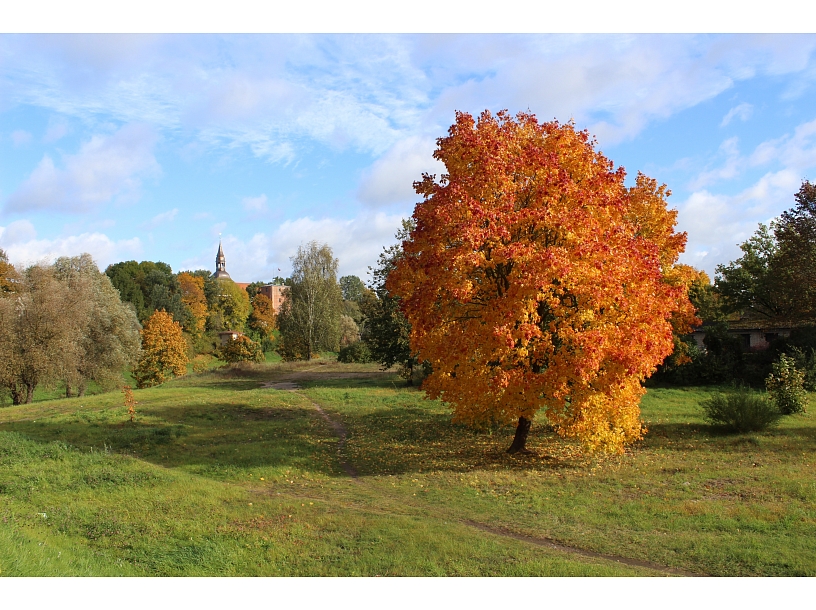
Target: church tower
(221, 265)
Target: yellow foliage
(164, 351)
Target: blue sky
(147, 147)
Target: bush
(241, 349)
(355, 352)
(740, 411)
(785, 386)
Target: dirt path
(349, 469)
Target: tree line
(62, 324)
(772, 284)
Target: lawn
(221, 476)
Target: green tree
(310, 317)
(41, 326)
(149, 287)
(387, 331)
(352, 288)
(750, 283)
(231, 305)
(795, 264)
(109, 339)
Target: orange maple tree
(192, 295)
(164, 351)
(262, 317)
(536, 279)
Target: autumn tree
(310, 317)
(535, 279)
(164, 351)
(193, 297)
(241, 349)
(262, 317)
(8, 274)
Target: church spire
(221, 264)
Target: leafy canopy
(535, 279)
(164, 351)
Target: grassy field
(221, 476)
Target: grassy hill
(227, 473)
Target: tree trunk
(29, 393)
(81, 389)
(18, 394)
(520, 441)
(67, 390)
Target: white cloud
(19, 241)
(734, 163)
(17, 232)
(743, 112)
(106, 169)
(356, 244)
(274, 94)
(20, 137)
(717, 223)
(254, 204)
(161, 219)
(390, 179)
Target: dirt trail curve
(348, 468)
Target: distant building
(221, 265)
(226, 336)
(275, 293)
(755, 335)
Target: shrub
(355, 352)
(805, 361)
(241, 349)
(740, 411)
(292, 347)
(785, 386)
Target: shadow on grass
(219, 436)
(675, 436)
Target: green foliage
(149, 287)
(795, 232)
(785, 386)
(230, 307)
(355, 352)
(292, 347)
(721, 361)
(740, 410)
(241, 349)
(309, 320)
(387, 331)
(776, 276)
(352, 288)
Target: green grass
(218, 476)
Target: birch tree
(310, 317)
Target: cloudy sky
(148, 147)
